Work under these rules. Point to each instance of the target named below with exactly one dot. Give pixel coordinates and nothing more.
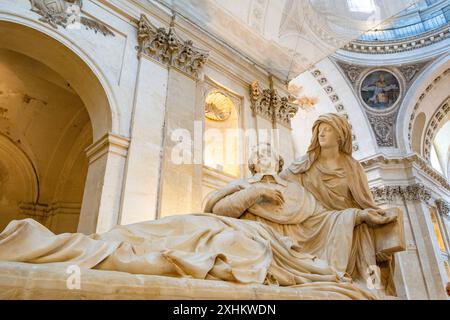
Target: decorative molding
(384, 128)
(166, 47)
(414, 158)
(271, 106)
(414, 192)
(443, 207)
(433, 126)
(109, 143)
(410, 71)
(352, 71)
(66, 13)
(388, 47)
(43, 212)
(419, 102)
(329, 90)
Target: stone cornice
(407, 44)
(409, 159)
(166, 47)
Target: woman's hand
(270, 194)
(374, 217)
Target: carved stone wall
(412, 159)
(166, 47)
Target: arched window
(221, 137)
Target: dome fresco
(420, 18)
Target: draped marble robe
(341, 189)
(340, 192)
(314, 228)
(200, 246)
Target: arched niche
(80, 73)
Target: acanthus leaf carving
(443, 207)
(414, 192)
(271, 106)
(168, 48)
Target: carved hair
(253, 160)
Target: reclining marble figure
(269, 229)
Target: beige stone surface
(30, 281)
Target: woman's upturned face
(328, 137)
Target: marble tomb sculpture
(313, 226)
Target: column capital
(166, 47)
(413, 192)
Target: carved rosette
(271, 106)
(443, 207)
(65, 13)
(415, 192)
(167, 47)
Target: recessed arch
(71, 62)
(419, 91)
(68, 67)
